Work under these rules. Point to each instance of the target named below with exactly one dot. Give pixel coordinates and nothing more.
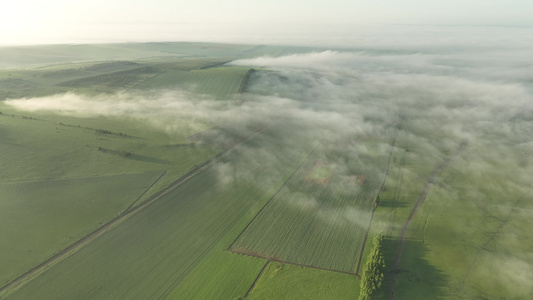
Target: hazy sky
(63, 21)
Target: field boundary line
(168, 291)
(38, 179)
(270, 200)
(65, 252)
(191, 266)
(256, 279)
(146, 190)
(377, 199)
(140, 82)
(215, 65)
(272, 259)
(244, 83)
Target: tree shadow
(413, 277)
(129, 155)
(218, 136)
(392, 204)
(228, 137)
(185, 145)
(150, 159)
(5, 138)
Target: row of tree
(373, 273)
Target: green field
(283, 281)
(467, 222)
(40, 217)
(222, 83)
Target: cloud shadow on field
(415, 277)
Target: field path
(256, 279)
(145, 191)
(436, 172)
(399, 127)
(54, 259)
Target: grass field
(221, 83)
(43, 216)
(284, 281)
(462, 228)
(221, 274)
(41, 145)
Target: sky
(62, 21)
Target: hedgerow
(372, 279)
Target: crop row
(315, 224)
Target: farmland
(319, 222)
(218, 171)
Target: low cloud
(324, 60)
